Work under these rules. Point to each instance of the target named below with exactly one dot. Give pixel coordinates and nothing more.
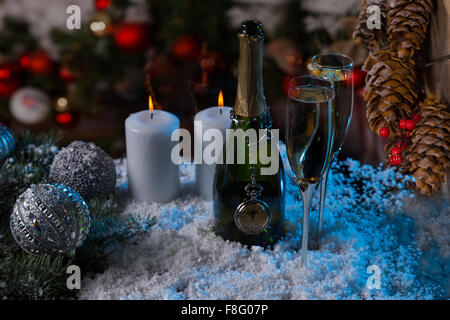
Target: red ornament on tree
(186, 48)
(66, 75)
(41, 63)
(416, 118)
(384, 132)
(65, 119)
(132, 36)
(9, 80)
(25, 61)
(102, 4)
(286, 83)
(358, 78)
(395, 160)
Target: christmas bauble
(8, 88)
(29, 105)
(9, 79)
(25, 61)
(186, 47)
(286, 79)
(41, 63)
(50, 219)
(85, 168)
(7, 142)
(66, 74)
(102, 4)
(132, 36)
(358, 79)
(66, 119)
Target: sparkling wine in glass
(339, 69)
(310, 131)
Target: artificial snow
(371, 219)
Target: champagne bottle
(249, 205)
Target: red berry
(402, 145)
(410, 124)
(385, 132)
(396, 160)
(396, 151)
(408, 134)
(403, 123)
(416, 118)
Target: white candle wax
(217, 118)
(152, 175)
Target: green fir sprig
(25, 276)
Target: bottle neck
(250, 100)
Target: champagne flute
(339, 69)
(310, 130)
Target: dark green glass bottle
(249, 205)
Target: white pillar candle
(217, 118)
(152, 175)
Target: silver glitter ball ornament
(7, 142)
(50, 219)
(85, 168)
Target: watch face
(252, 216)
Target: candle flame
(220, 99)
(150, 103)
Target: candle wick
(220, 110)
(151, 115)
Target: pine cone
(429, 153)
(362, 34)
(390, 90)
(407, 22)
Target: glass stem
(307, 190)
(323, 193)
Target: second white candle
(211, 118)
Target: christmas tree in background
(184, 55)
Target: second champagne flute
(310, 130)
(339, 69)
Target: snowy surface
(371, 219)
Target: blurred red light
(64, 118)
(4, 73)
(102, 4)
(25, 61)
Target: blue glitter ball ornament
(7, 142)
(50, 219)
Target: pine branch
(24, 276)
(33, 277)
